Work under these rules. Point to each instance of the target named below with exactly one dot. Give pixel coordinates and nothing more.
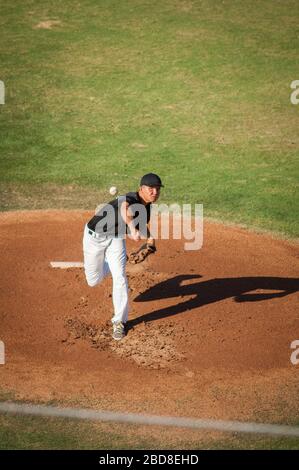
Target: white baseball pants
(103, 256)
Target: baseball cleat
(118, 331)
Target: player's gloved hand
(142, 253)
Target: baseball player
(104, 243)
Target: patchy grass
(26, 432)
(50, 196)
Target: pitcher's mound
(209, 331)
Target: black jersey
(108, 221)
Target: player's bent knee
(93, 282)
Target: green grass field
(197, 91)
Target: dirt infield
(209, 333)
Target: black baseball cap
(150, 179)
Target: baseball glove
(142, 253)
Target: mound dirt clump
(148, 345)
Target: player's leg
(116, 258)
(95, 266)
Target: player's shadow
(211, 291)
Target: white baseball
(113, 190)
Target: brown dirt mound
(209, 331)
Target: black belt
(96, 235)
